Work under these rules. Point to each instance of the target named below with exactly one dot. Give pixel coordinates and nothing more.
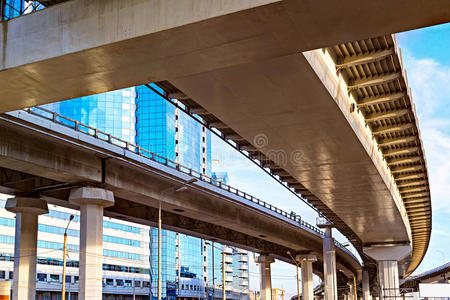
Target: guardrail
(106, 137)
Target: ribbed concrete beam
(218, 125)
(199, 111)
(396, 141)
(393, 128)
(414, 182)
(386, 115)
(364, 58)
(398, 151)
(363, 102)
(409, 176)
(403, 160)
(407, 169)
(366, 82)
(234, 137)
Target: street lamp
(298, 280)
(63, 296)
(180, 188)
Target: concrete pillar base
(27, 211)
(306, 262)
(329, 266)
(387, 257)
(91, 202)
(264, 262)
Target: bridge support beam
(91, 202)
(264, 262)
(27, 211)
(387, 257)
(306, 262)
(329, 266)
(365, 285)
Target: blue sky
(426, 58)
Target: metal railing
(106, 137)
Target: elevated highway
(41, 155)
(338, 123)
(83, 47)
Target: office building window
(54, 277)
(41, 277)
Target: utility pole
(159, 252)
(213, 267)
(298, 280)
(224, 293)
(63, 291)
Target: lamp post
(298, 280)
(165, 192)
(63, 296)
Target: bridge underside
(240, 61)
(43, 166)
(84, 47)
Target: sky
(426, 58)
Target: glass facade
(111, 112)
(141, 116)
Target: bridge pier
(306, 262)
(91, 201)
(351, 291)
(365, 285)
(27, 211)
(387, 257)
(329, 266)
(264, 262)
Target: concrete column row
(92, 202)
(27, 209)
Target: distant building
(221, 177)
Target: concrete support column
(91, 202)
(351, 291)
(306, 262)
(387, 257)
(389, 280)
(264, 262)
(27, 211)
(329, 266)
(365, 285)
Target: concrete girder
(363, 102)
(248, 148)
(234, 137)
(409, 176)
(392, 128)
(375, 80)
(403, 160)
(398, 151)
(396, 141)
(416, 200)
(218, 125)
(199, 111)
(419, 193)
(177, 95)
(364, 58)
(407, 169)
(386, 115)
(412, 182)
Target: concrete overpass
(41, 157)
(343, 113)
